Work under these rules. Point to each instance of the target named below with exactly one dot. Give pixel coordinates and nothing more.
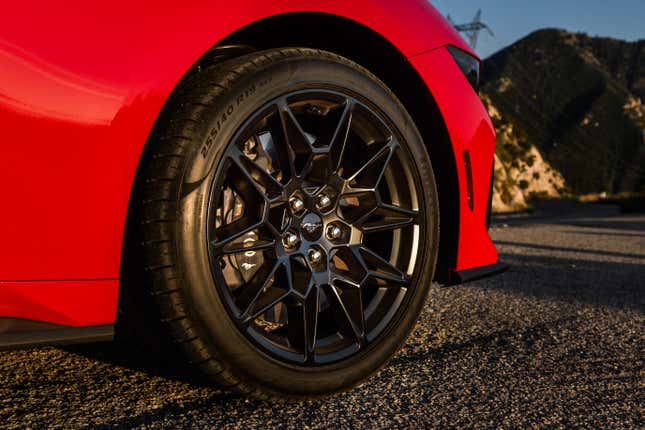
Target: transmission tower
(472, 29)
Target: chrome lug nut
(290, 240)
(315, 256)
(296, 204)
(323, 201)
(333, 232)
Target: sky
(511, 20)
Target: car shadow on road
(617, 223)
(155, 358)
(490, 341)
(574, 214)
(211, 404)
(605, 233)
(596, 252)
(575, 280)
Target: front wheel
(290, 221)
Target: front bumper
(470, 275)
(472, 138)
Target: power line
(472, 29)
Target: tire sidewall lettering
(240, 99)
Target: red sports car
(279, 171)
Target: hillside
(573, 104)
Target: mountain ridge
(577, 102)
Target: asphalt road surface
(556, 342)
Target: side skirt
(19, 333)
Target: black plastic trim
(478, 273)
(470, 196)
(468, 64)
(25, 333)
(489, 208)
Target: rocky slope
(570, 116)
(521, 173)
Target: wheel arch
(365, 47)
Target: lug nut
(296, 204)
(333, 232)
(323, 201)
(315, 256)
(290, 240)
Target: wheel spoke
(368, 212)
(295, 138)
(357, 207)
(390, 217)
(369, 176)
(380, 268)
(339, 138)
(311, 311)
(384, 225)
(235, 230)
(397, 210)
(247, 295)
(253, 246)
(264, 303)
(243, 182)
(262, 180)
(278, 217)
(296, 325)
(318, 169)
(349, 265)
(280, 144)
(347, 306)
(299, 275)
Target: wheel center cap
(311, 226)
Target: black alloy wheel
(315, 226)
(290, 222)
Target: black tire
(183, 160)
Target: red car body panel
(470, 129)
(72, 303)
(81, 85)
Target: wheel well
(372, 51)
(369, 49)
